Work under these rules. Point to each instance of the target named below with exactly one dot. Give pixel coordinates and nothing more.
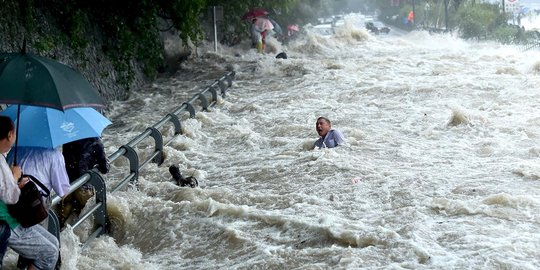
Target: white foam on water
(439, 170)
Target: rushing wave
(439, 170)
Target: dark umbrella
(254, 13)
(33, 80)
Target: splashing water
(439, 170)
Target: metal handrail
(99, 210)
(532, 45)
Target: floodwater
(440, 171)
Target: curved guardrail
(206, 98)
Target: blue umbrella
(50, 128)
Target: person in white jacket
(47, 165)
(9, 191)
(35, 243)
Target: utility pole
(446, 14)
(214, 20)
(216, 14)
(414, 13)
(427, 8)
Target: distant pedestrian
(410, 19)
(260, 29)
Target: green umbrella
(28, 79)
(33, 80)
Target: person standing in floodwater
(260, 29)
(329, 137)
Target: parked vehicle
(376, 28)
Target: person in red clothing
(260, 29)
(410, 18)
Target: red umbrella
(254, 13)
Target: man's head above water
(323, 125)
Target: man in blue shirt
(47, 165)
(329, 137)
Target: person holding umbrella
(9, 191)
(42, 131)
(35, 242)
(260, 29)
(29, 79)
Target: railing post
(158, 139)
(212, 90)
(176, 122)
(133, 158)
(190, 109)
(53, 225)
(230, 77)
(223, 88)
(204, 102)
(101, 217)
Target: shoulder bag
(31, 208)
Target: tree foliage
(130, 27)
(473, 19)
(479, 20)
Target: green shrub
(505, 34)
(479, 20)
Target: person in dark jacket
(84, 155)
(81, 156)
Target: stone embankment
(95, 66)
